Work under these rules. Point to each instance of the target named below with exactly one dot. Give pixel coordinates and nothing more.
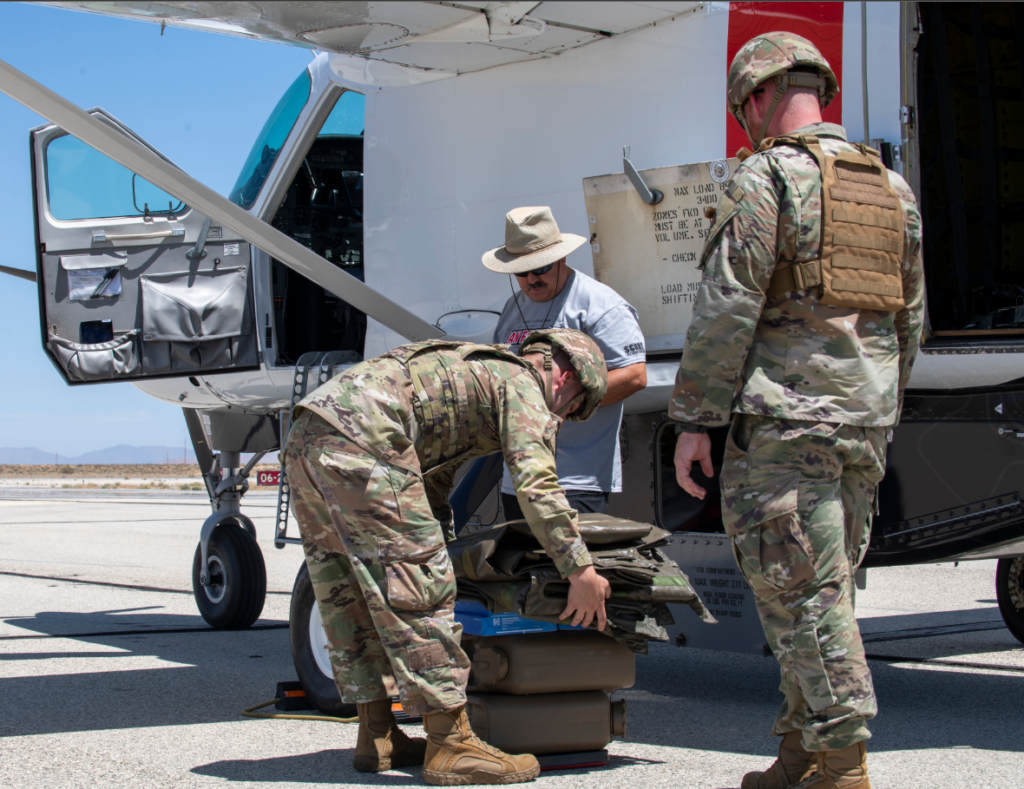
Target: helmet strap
(549, 395)
(783, 81)
(781, 86)
(568, 407)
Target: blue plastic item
(471, 607)
(488, 624)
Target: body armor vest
(858, 264)
(444, 401)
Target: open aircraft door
(132, 282)
(143, 272)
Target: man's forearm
(624, 381)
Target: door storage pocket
(93, 276)
(103, 361)
(181, 357)
(195, 306)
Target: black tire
(318, 685)
(1010, 586)
(234, 599)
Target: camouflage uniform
(371, 458)
(815, 389)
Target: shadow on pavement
(334, 766)
(714, 701)
(321, 767)
(203, 676)
(79, 625)
(720, 701)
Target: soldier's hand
(587, 593)
(693, 448)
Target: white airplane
(358, 221)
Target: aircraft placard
(649, 253)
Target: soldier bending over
(371, 458)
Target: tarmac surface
(110, 678)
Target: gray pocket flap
(93, 260)
(196, 306)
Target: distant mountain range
(122, 454)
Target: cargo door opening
(970, 124)
(323, 209)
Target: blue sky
(200, 98)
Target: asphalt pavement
(110, 678)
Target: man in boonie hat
(551, 294)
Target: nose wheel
(236, 587)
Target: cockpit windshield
(269, 142)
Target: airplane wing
(418, 41)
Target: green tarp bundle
(504, 569)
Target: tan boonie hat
(532, 240)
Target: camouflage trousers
(380, 572)
(797, 500)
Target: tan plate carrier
(861, 233)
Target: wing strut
(19, 272)
(146, 164)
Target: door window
(82, 183)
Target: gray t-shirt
(588, 452)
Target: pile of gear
(505, 569)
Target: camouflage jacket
(490, 401)
(785, 357)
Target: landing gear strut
(229, 576)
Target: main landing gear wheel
(309, 651)
(1010, 594)
(238, 579)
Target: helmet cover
(768, 55)
(586, 358)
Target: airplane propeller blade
(18, 272)
(165, 175)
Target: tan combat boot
(793, 765)
(382, 745)
(457, 757)
(845, 769)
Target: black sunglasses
(539, 272)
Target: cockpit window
(82, 183)
(270, 141)
(323, 210)
(347, 117)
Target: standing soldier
(805, 328)
(371, 458)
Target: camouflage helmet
(587, 360)
(771, 55)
